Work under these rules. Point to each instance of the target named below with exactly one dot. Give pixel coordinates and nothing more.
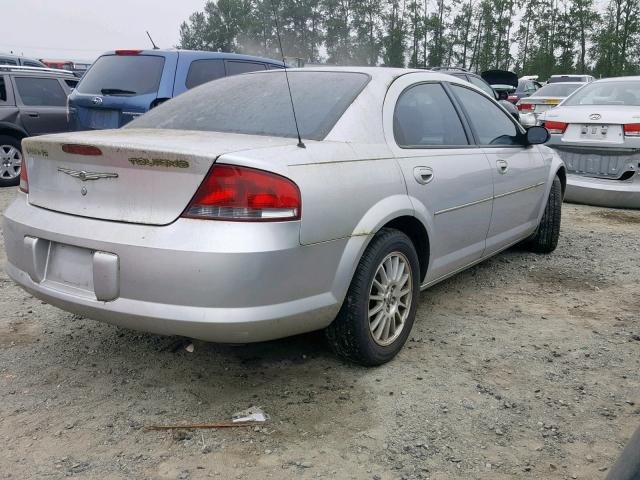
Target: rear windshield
(557, 90)
(607, 93)
(567, 78)
(123, 75)
(259, 104)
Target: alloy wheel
(10, 162)
(390, 297)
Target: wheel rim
(10, 162)
(390, 296)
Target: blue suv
(123, 84)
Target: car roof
(36, 71)
(200, 54)
(635, 78)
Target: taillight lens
(525, 107)
(24, 178)
(245, 194)
(632, 130)
(556, 127)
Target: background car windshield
(607, 93)
(557, 90)
(128, 73)
(259, 104)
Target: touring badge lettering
(158, 162)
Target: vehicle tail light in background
(128, 52)
(245, 194)
(512, 98)
(632, 130)
(556, 127)
(525, 107)
(74, 149)
(24, 178)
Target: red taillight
(74, 149)
(525, 107)
(556, 127)
(632, 130)
(128, 52)
(24, 178)
(244, 194)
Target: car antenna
(155, 47)
(286, 74)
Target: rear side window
(123, 75)
(203, 71)
(425, 117)
(44, 92)
(491, 124)
(259, 104)
(71, 83)
(7, 61)
(482, 85)
(3, 90)
(236, 68)
(28, 63)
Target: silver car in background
(206, 218)
(545, 99)
(596, 131)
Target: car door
(448, 179)
(43, 104)
(519, 172)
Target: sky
(81, 30)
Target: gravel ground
(525, 366)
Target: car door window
(8, 61)
(425, 117)
(3, 91)
(27, 63)
(45, 92)
(236, 68)
(491, 125)
(203, 71)
(71, 83)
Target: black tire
(14, 142)
(350, 335)
(545, 239)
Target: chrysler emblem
(96, 100)
(595, 116)
(85, 176)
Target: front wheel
(545, 239)
(380, 307)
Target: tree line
(540, 37)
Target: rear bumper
(602, 192)
(215, 281)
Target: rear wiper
(116, 91)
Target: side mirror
(537, 136)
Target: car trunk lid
(140, 176)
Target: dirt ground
(525, 366)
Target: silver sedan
(208, 218)
(596, 131)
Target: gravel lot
(525, 366)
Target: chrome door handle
(423, 175)
(503, 166)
